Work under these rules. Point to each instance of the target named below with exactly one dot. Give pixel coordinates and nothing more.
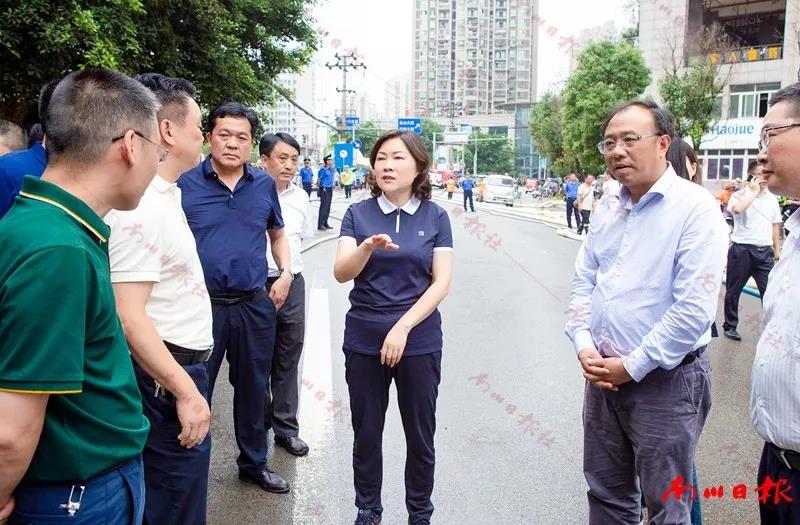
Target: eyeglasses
(765, 134)
(161, 150)
(607, 146)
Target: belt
(789, 458)
(234, 298)
(693, 355)
(185, 356)
(271, 280)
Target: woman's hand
(393, 346)
(380, 242)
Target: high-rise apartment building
(284, 116)
(472, 57)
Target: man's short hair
(171, 92)
(89, 108)
(789, 94)
(661, 117)
(270, 140)
(306, 159)
(45, 95)
(12, 136)
(236, 110)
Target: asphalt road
(509, 436)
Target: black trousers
(282, 394)
(348, 191)
(175, 477)
(307, 187)
(449, 195)
(776, 510)
(745, 261)
(245, 333)
(325, 196)
(584, 222)
(417, 382)
(468, 195)
(571, 208)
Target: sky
(382, 31)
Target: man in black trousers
(325, 178)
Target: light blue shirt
(647, 277)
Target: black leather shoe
(367, 517)
(328, 227)
(267, 480)
(293, 444)
(731, 333)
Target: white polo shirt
(298, 224)
(153, 243)
(754, 226)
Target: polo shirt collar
(387, 207)
(208, 170)
(288, 191)
(47, 192)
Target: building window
(727, 164)
(751, 100)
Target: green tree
(368, 134)
(607, 73)
(429, 127)
(230, 49)
(690, 92)
(495, 153)
(547, 129)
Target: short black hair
(172, 93)
(44, 101)
(235, 110)
(89, 108)
(270, 140)
(789, 94)
(306, 159)
(661, 117)
(12, 135)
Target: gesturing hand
(381, 242)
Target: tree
(547, 129)
(607, 74)
(230, 49)
(429, 127)
(690, 92)
(368, 133)
(495, 153)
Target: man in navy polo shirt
(32, 161)
(307, 175)
(229, 206)
(325, 178)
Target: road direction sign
(343, 155)
(411, 124)
(357, 144)
(353, 123)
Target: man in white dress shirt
(775, 393)
(643, 298)
(164, 306)
(279, 155)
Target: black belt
(185, 356)
(789, 458)
(234, 298)
(271, 280)
(693, 355)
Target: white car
(500, 188)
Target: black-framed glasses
(608, 145)
(161, 150)
(765, 133)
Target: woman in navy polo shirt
(398, 247)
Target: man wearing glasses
(774, 396)
(642, 301)
(72, 428)
(755, 243)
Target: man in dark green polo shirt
(72, 427)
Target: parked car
(500, 188)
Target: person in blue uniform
(467, 184)
(397, 247)
(307, 176)
(325, 177)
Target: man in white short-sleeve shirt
(755, 243)
(279, 156)
(166, 312)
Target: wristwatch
(286, 270)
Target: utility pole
(345, 63)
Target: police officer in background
(325, 177)
(307, 176)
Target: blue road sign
(343, 155)
(353, 123)
(411, 124)
(357, 144)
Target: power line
(285, 94)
